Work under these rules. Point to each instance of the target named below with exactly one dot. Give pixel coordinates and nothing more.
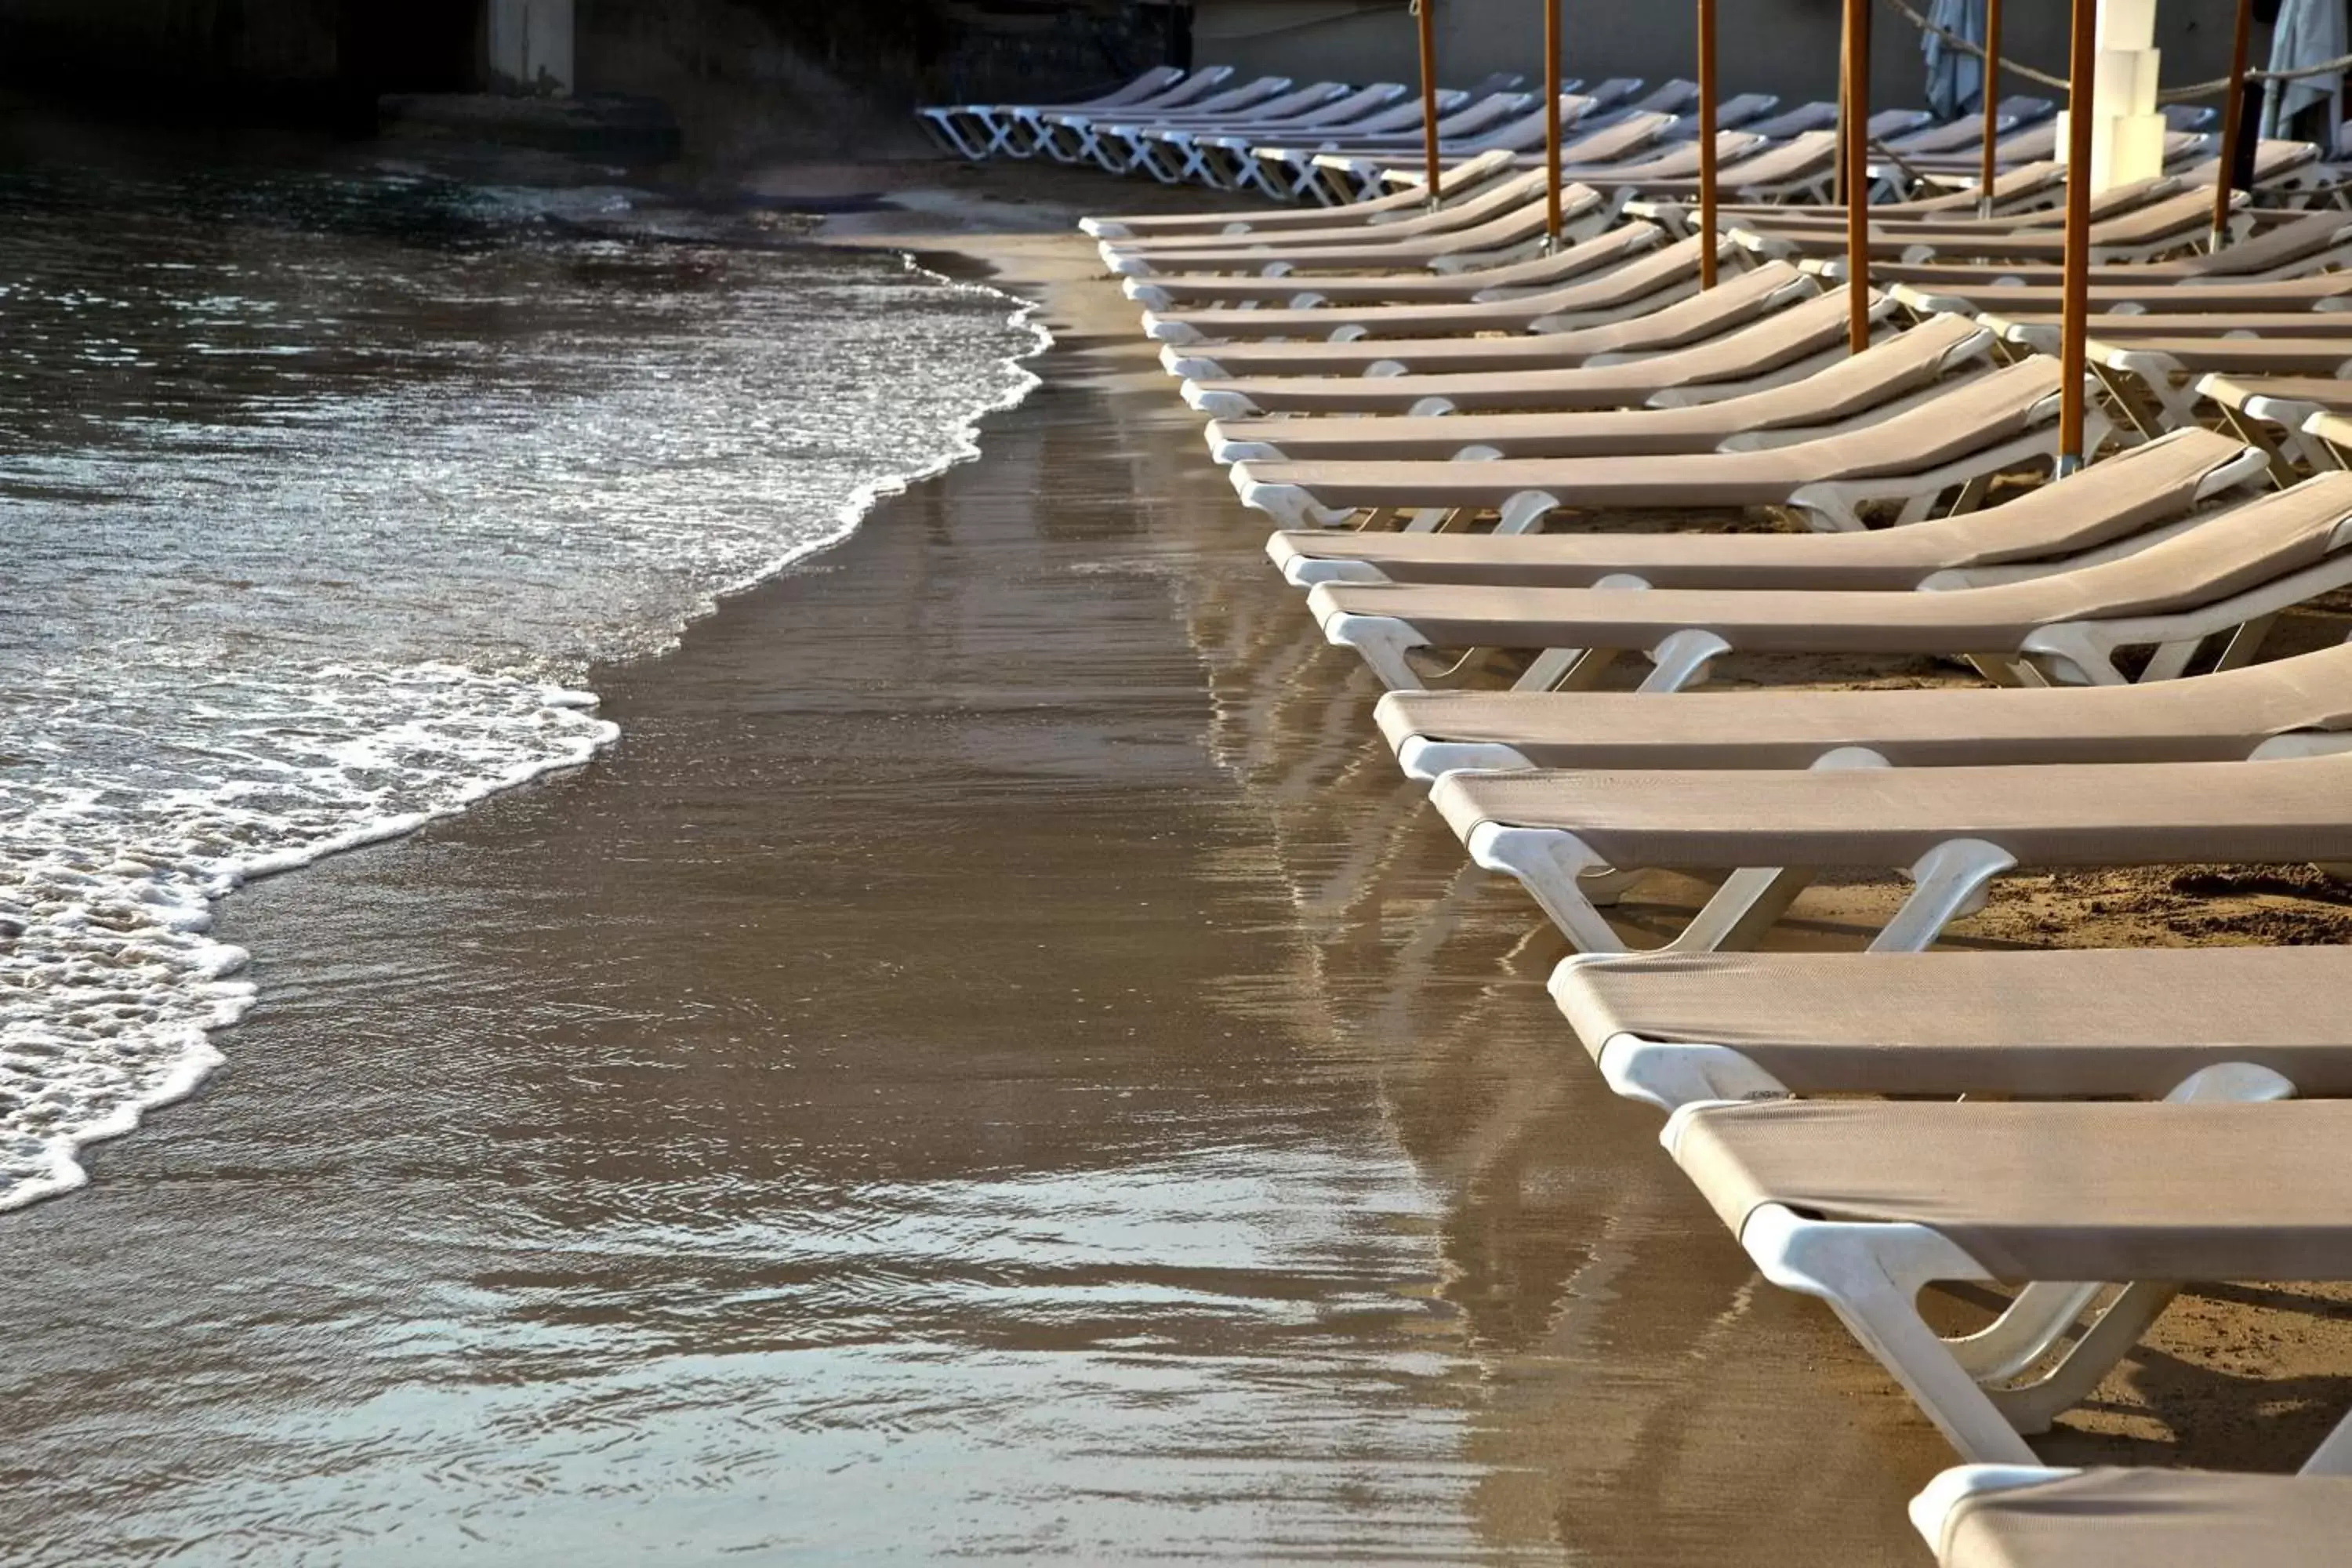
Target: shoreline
(993, 1061)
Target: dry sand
(996, 1063)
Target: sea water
(322, 490)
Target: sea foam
(361, 476)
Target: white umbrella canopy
(2307, 32)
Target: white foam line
(231, 1000)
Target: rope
(2218, 86)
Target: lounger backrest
(1615, 141)
(2230, 552)
(1672, 97)
(1150, 84)
(2289, 242)
(1965, 419)
(2129, 494)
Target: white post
(530, 46)
(2127, 129)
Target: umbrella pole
(1992, 78)
(2073, 365)
(2233, 125)
(1551, 120)
(1423, 9)
(1857, 174)
(1706, 261)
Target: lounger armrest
(1931, 1510)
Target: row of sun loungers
(1499, 467)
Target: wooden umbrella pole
(1423, 9)
(2074, 366)
(1707, 263)
(1991, 77)
(1857, 174)
(2232, 126)
(1551, 120)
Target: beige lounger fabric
(1965, 419)
(2252, 545)
(1779, 340)
(2155, 1519)
(1668, 266)
(1848, 387)
(2059, 1022)
(2054, 1190)
(2151, 814)
(2147, 485)
(1692, 319)
(2212, 718)
(2169, 294)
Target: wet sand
(994, 1064)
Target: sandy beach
(996, 1063)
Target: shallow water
(322, 484)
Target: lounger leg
(2110, 1338)
(2333, 1456)
(1871, 1275)
(1952, 880)
(1550, 866)
(1681, 661)
(1749, 902)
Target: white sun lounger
(1866, 1203)
(1783, 345)
(2228, 576)
(2123, 504)
(1986, 426)
(1547, 342)
(1854, 388)
(980, 130)
(2025, 1516)
(1672, 1029)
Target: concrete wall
(530, 46)
(1785, 46)
(193, 42)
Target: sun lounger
(1074, 136)
(1784, 345)
(1610, 145)
(1172, 152)
(1126, 146)
(1798, 168)
(2152, 381)
(1576, 259)
(1397, 206)
(1497, 122)
(2139, 495)
(1866, 1203)
(2288, 707)
(2304, 243)
(1493, 199)
(2142, 233)
(980, 130)
(1815, 116)
(2272, 411)
(1642, 278)
(2225, 578)
(2330, 432)
(1671, 1029)
(2016, 1516)
(1956, 828)
(1457, 244)
(2316, 292)
(1906, 460)
(1741, 112)
(1953, 135)
(1881, 380)
(1546, 342)
(1221, 159)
